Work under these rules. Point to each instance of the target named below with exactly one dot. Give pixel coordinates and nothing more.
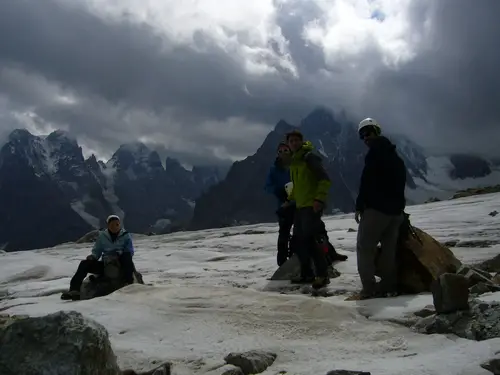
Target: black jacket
(383, 180)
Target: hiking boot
(71, 295)
(320, 282)
(302, 280)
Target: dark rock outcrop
(480, 322)
(251, 362)
(450, 293)
(63, 343)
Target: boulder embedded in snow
(421, 259)
(63, 343)
(164, 369)
(226, 370)
(90, 237)
(493, 365)
(450, 293)
(291, 269)
(347, 372)
(251, 362)
(496, 279)
(480, 322)
(481, 288)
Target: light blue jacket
(104, 244)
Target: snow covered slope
(211, 297)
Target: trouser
(308, 226)
(376, 227)
(285, 220)
(97, 267)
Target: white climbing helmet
(289, 188)
(368, 122)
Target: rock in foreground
(480, 322)
(291, 269)
(251, 362)
(63, 343)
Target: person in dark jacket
(277, 178)
(379, 210)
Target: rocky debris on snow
(112, 280)
(425, 312)
(8, 319)
(490, 265)
(251, 362)
(477, 243)
(450, 293)
(90, 237)
(476, 191)
(474, 275)
(63, 343)
(164, 369)
(432, 200)
(496, 279)
(347, 372)
(226, 370)
(493, 213)
(421, 259)
(480, 322)
(351, 230)
(481, 288)
(493, 365)
(291, 269)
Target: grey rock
(480, 322)
(493, 213)
(481, 288)
(490, 265)
(474, 275)
(89, 237)
(63, 343)
(450, 293)
(493, 365)
(291, 269)
(425, 312)
(251, 362)
(226, 370)
(348, 372)
(351, 230)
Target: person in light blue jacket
(113, 241)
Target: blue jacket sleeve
(270, 185)
(128, 245)
(97, 249)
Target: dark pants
(376, 227)
(308, 228)
(97, 267)
(285, 220)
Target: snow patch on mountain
(439, 184)
(79, 208)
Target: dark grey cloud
(129, 81)
(449, 93)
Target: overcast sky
(208, 79)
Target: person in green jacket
(310, 192)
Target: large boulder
(112, 280)
(63, 343)
(251, 362)
(421, 259)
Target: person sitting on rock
(379, 211)
(111, 241)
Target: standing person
(379, 210)
(277, 178)
(111, 241)
(310, 192)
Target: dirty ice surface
(211, 296)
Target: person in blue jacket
(277, 178)
(111, 241)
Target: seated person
(111, 241)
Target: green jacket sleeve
(315, 164)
